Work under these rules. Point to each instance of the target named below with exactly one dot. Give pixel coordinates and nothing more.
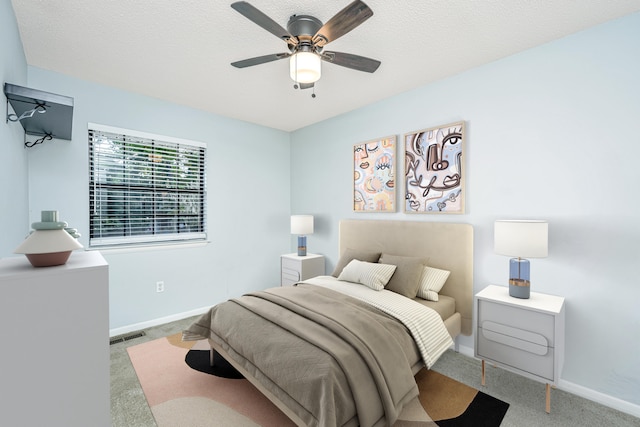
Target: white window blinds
(145, 189)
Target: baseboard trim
(156, 322)
(602, 398)
(584, 392)
(466, 351)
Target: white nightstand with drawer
(525, 336)
(294, 268)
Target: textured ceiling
(180, 51)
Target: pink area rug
(181, 396)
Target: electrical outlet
(160, 286)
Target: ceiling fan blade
(259, 18)
(349, 60)
(260, 60)
(343, 22)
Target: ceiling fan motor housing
(303, 26)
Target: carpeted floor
(181, 389)
(129, 407)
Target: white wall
(13, 157)
(552, 133)
(247, 195)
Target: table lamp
(520, 239)
(302, 225)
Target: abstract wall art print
(433, 170)
(374, 176)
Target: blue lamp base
(302, 245)
(519, 278)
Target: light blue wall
(248, 200)
(552, 133)
(13, 157)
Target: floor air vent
(123, 338)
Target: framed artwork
(374, 176)
(433, 170)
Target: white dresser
(294, 268)
(525, 336)
(55, 342)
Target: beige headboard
(448, 246)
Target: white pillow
(431, 282)
(371, 274)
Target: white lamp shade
(48, 241)
(521, 238)
(301, 224)
(305, 67)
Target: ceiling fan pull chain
(295, 84)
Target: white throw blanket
(424, 324)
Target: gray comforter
(333, 360)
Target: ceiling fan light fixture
(305, 67)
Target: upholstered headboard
(447, 246)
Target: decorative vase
(50, 243)
(48, 260)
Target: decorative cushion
(351, 254)
(406, 280)
(432, 280)
(370, 274)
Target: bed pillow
(370, 274)
(406, 280)
(431, 282)
(351, 254)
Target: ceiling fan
(306, 37)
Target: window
(144, 189)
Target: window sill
(148, 247)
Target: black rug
(199, 360)
(484, 411)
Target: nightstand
(525, 336)
(294, 268)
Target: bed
(332, 352)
